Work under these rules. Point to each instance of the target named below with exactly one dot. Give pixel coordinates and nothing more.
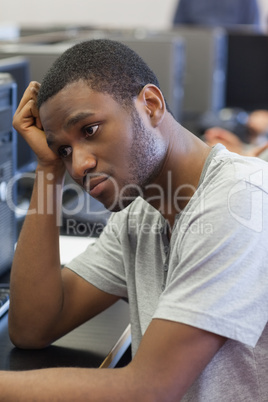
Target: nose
(83, 161)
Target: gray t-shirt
(211, 275)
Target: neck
(180, 174)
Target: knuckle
(34, 86)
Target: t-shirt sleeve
(102, 262)
(217, 278)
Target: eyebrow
(72, 121)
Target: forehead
(77, 98)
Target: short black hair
(107, 66)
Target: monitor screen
(19, 68)
(247, 71)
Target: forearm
(35, 285)
(69, 384)
(171, 356)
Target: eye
(90, 130)
(64, 151)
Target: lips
(92, 185)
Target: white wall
(264, 12)
(114, 13)
(124, 13)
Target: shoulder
(232, 196)
(228, 167)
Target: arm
(170, 358)
(232, 142)
(43, 297)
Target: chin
(115, 203)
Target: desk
(93, 344)
(100, 342)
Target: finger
(35, 113)
(26, 117)
(31, 92)
(33, 108)
(38, 123)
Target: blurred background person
(225, 13)
(257, 127)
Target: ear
(153, 102)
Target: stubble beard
(146, 159)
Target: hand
(27, 122)
(232, 142)
(217, 135)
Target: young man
(187, 244)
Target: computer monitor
(8, 91)
(165, 55)
(247, 71)
(204, 70)
(19, 68)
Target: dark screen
(247, 71)
(19, 68)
